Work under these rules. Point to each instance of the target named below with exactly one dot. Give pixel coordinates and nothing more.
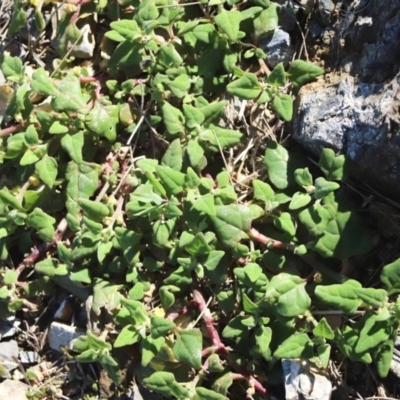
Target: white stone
(60, 335)
(14, 390)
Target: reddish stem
(9, 130)
(277, 244)
(43, 248)
(218, 346)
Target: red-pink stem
(10, 130)
(218, 346)
(43, 248)
(277, 244)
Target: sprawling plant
(116, 188)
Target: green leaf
(206, 394)
(94, 209)
(128, 29)
(57, 128)
(43, 223)
(343, 237)
(42, 83)
(173, 181)
(390, 276)
(103, 120)
(229, 23)
(263, 336)
(112, 368)
(195, 153)
(373, 297)
(383, 357)
(220, 137)
(324, 187)
(235, 328)
(129, 335)
(315, 218)
(341, 295)
(150, 348)
(73, 145)
(173, 157)
(193, 116)
(346, 342)
(47, 170)
(173, 119)
(105, 295)
(301, 72)
(50, 267)
(283, 105)
(12, 68)
(205, 33)
(299, 200)
(82, 180)
(9, 199)
(232, 223)
(188, 347)
(267, 20)
(69, 96)
(286, 223)
(180, 86)
(373, 333)
(276, 160)
(147, 11)
(165, 384)
(246, 87)
(293, 299)
(278, 76)
(323, 330)
(29, 157)
(334, 167)
(160, 326)
(262, 191)
(303, 177)
(297, 345)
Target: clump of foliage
(114, 187)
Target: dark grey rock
(356, 111)
(278, 48)
(325, 8)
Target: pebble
(8, 326)
(60, 335)
(278, 48)
(13, 389)
(8, 358)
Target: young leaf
(267, 20)
(390, 276)
(301, 72)
(173, 119)
(43, 223)
(297, 345)
(323, 330)
(276, 160)
(229, 23)
(47, 170)
(246, 87)
(128, 335)
(340, 295)
(73, 145)
(94, 209)
(283, 105)
(165, 384)
(188, 347)
(220, 137)
(324, 187)
(277, 77)
(173, 156)
(334, 167)
(173, 181)
(232, 223)
(42, 83)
